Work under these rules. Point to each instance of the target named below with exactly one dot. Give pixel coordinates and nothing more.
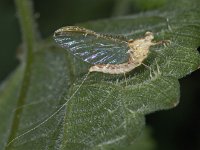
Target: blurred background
(175, 129)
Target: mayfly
(107, 53)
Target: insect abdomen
(114, 69)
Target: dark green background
(175, 129)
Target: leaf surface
(107, 112)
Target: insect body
(137, 53)
(109, 54)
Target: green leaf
(107, 111)
(143, 142)
(9, 90)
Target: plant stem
(27, 23)
(29, 37)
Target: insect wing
(92, 47)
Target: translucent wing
(92, 47)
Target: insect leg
(125, 78)
(158, 68)
(163, 42)
(147, 68)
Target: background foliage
(172, 129)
